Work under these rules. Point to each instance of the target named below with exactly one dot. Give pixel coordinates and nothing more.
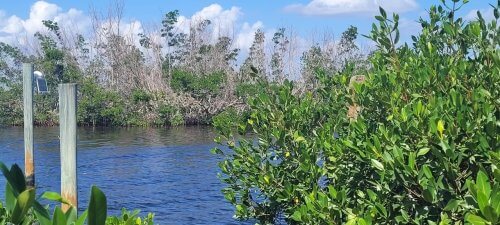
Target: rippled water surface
(169, 172)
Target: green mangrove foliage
(23, 208)
(130, 218)
(414, 140)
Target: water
(169, 172)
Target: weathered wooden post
(29, 165)
(67, 126)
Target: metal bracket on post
(67, 126)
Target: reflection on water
(169, 172)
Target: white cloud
(339, 7)
(245, 37)
(13, 25)
(487, 14)
(223, 21)
(39, 11)
(15, 30)
(74, 19)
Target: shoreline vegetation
(162, 77)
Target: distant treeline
(169, 78)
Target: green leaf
(381, 209)
(440, 128)
(372, 195)
(430, 47)
(10, 197)
(423, 151)
(266, 179)
(490, 214)
(482, 200)
(97, 210)
(82, 218)
(14, 177)
(452, 205)
(362, 221)
(18, 181)
(429, 194)
(377, 164)
(427, 172)
(299, 139)
(414, 39)
(5, 170)
(42, 214)
(240, 209)
(54, 196)
(495, 202)
(297, 216)
(70, 216)
(131, 220)
(475, 220)
(382, 12)
(411, 160)
(379, 18)
(216, 151)
(59, 218)
(352, 221)
(24, 202)
(483, 183)
(472, 187)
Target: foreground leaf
(97, 210)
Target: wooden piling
(29, 166)
(67, 126)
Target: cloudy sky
(238, 18)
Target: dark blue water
(169, 172)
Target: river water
(169, 172)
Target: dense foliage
(414, 139)
(22, 207)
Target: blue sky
(307, 17)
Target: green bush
(169, 115)
(210, 85)
(177, 119)
(11, 111)
(202, 86)
(139, 95)
(98, 106)
(247, 90)
(135, 119)
(181, 81)
(415, 143)
(130, 218)
(228, 119)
